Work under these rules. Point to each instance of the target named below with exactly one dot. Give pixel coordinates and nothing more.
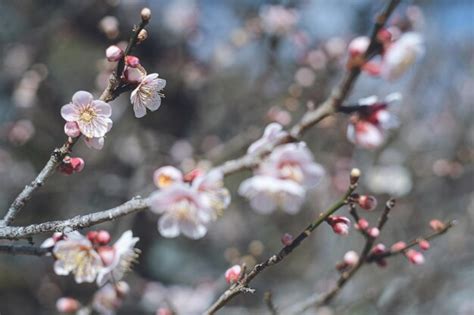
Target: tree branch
(23, 250)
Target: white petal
(69, 112)
(192, 230)
(103, 108)
(95, 143)
(82, 98)
(168, 226)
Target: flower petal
(82, 98)
(69, 112)
(168, 226)
(103, 108)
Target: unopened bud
(366, 202)
(437, 225)
(355, 175)
(67, 305)
(351, 258)
(415, 257)
(113, 53)
(77, 164)
(358, 46)
(233, 273)
(424, 244)
(146, 14)
(398, 246)
(71, 129)
(374, 232)
(71, 165)
(287, 239)
(142, 35)
(103, 237)
(362, 224)
(132, 61)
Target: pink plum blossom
(113, 53)
(233, 273)
(91, 116)
(183, 211)
(124, 254)
(271, 134)
(75, 253)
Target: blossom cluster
(187, 204)
(90, 258)
(283, 177)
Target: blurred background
(227, 77)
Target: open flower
(147, 94)
(123, 254)
(267, 193)
(75, 253)
(110, 297)
(211, 188)
(91, 116)
(184, 211)
(401, 54)
(367, 128)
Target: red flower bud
(367, 202)
(398, 246)
(362, 224)
(92, 235)
(103, 237)
(190, 176)
(132, 61)
(424, 244)
(233, 273)
(287, 239)
(67, 305)
(437, 225)
(415, 257)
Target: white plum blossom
(211, 188)
(282, 179)
(367, 128)
(166, 176)
(267, 193)
(183, 211)
(75, 253)
(124, 254)
(110, 297)
(147, 94)
(272, 133)
(278, 20)
(401, 54)
(91, 116)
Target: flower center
(292, 171)
(87, 115)
(183, 208)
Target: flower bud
(358, 46)
(378, 249)
(71, 165)
(351, 258)
(415, 257)
(362, 224)
(103, 237)
(71, 129)
(113, 53)
(437, 225)
(374, 232)
(398, 246)
(367, 202)
(339, 224)
(132, 61)
(145, 14)
(164, 311)
(67, 305)
(142, 35)
(355, 175)
(424, 244)
(232, 274)
(287, 239)
(77, 164)
(190, 176)
(92, 235)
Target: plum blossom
(91, 116)
(367, 127)
(187, 203)
(75, 253)
(110, 297)
(401, 54)
(271, 134)
(233, 273)
(278, 20)
(67, 305)
(282, 179)
(124, 254)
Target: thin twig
(23, 250)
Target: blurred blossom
(394, 180)
(109, 25)
(278, 20)
(181, 17)
(305, 77)
(278, 115)
(21, 131)
(224, 56)
(67, 305)
(317, 59)
(335, 47)
(24, 94)
(17, 59)
(110, 297)
(272, 133)
(129, 150)
(183, 299)
(181, 150)
(401, 55)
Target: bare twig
(78, 222)
(112, 91)
(23, 250)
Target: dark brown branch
(111, 92)
(23, 250)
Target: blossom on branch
(271, 134)
(110, 297)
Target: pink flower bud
(67, 305)
(190, 176)
(92, 235)
(71, 129)
(341, 228)
(103, 237)
(384, 36)
(133, 75)
(415, 257)
(145, 14)
(424, 244)
(437, 225)
(132, 61)
(107, 254)
(232, 274)
(287, 239)
(374, 232)
(362, 224)
(77, 164)
(113, 53)
(351, 258)
(381, 262)
(164, 311)
(398, 246)
(378, 249)
(358, 46)
(367, 202)
(57, 236)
